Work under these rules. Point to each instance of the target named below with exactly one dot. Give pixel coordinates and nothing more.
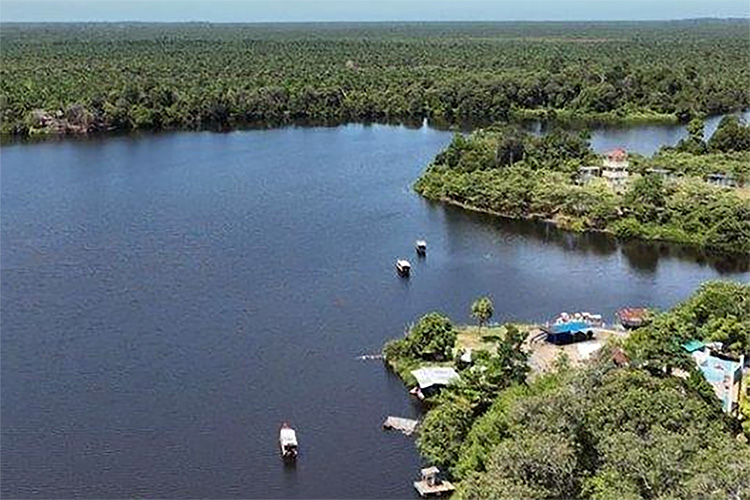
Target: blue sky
(364, 10)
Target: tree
(482, 310)
(433, 337)
(511, 361)
(731, 135)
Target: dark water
(168, 300)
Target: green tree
(482, 310)
(433, 337)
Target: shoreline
(546, 117)
(563, 227)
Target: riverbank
(530, 405)
(625, 233)
(49, 125)
(558, 179)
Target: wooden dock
(405, 425)
(432, 484)
(426, 490)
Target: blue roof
(693, 345)
(570, 327)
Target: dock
(405, 425)
(432, 485)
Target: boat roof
(402, 262)
(435, 375)
(421, 243)
(288, 436)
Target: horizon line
(396, 21)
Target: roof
(430, 470)
(570, 327)
(620, 358)
(288, 436)
(693, 345)
(435, 375)
(618, 154)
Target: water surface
(168, 300)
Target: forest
(77, 78)
(507, 171)
(619, 426)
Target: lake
(169, 299)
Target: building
(665, 174)
(724, 375)
(615, 169)
(721, 180)
(587, 174)
(568, 332)
(430, 380)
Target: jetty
(432, 484)
(406, 425)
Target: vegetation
(89, 77)
(504, 170)
(431, 339)
(717, 312)
(603, 430)
(482, 310)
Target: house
(587, 174)
(665, 174)
(721, 180)
(615, 169)
(724, 375)
(430, 380)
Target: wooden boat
(633, 317)
(403, 267)
(288, 442)
(421, 246)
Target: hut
(432, 483)
(430, 380)
(568, 332)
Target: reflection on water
(641, 255)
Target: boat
(633, 317)
(288, 442)
(421, 246)
(403, 267)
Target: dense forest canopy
(85, 77)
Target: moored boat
(288, 442)
(421, 246)
(633, 317)
(403, 267)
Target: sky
(364, 10)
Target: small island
(644, 415)
(695, 193)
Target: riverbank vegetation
(621, 426)
(507, 171)
(91, 77)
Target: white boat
(288, 442)
(421, 246)
(403, 267)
